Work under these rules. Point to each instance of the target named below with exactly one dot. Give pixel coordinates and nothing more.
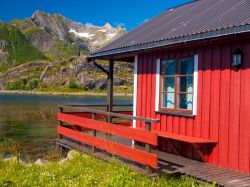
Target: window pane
(186, 84)
(168, 100)
(187, 66)
(168, 84)
(168, 67)
(185, 101)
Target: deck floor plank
(173, 164)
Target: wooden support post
(62, 149)
(148, 146)
(110, 91)
(60, 122)
(199, 152)
(110, 88)
(94, 132)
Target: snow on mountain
(84, 35)
(81, 34)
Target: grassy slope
(18, 47)
(83, 170)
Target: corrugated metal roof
(197, 20)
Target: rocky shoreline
(41, 162)
(23, 92)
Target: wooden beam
(100, 67)
(123, 131)
(112, 147)
(113, 114)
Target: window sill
(176, 113)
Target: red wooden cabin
(192, 73)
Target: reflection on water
(29, 121)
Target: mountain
(67, 75)
(51, 46)
(87, 37)
(47, 52)
(15, 49)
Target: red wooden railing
(94, 120)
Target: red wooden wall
(223, 107)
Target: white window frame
(135, 93)
(135, 89)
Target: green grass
(19, 50)
(83, 170)
(22, 84)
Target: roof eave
(173, 41)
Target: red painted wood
(139, 91)
(127, 124)
(125, 112)
(222, 106)
(225, 106)
(114, 148)
(98, 116)
(152, 104)
(206, 96)
(198, 117)
(149, 86)
(215, 101)
(130, 133)
(234, 121)
(144, 90)
(183, 138)
(244, 137)
(88, 115)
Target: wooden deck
(170, 163)
(99, 133)
(173, 164)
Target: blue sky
(129, 13)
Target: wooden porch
(92, 129)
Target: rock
(59, 74)
(63, 161)
(118, 81)
(14, 158)
(72, 154)
(2, 85)
(46, 69)
(41, 162)
(89, 84)
(21, 161)
(101, 84)
(63, 70)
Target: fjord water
(28, 122)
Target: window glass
(186, 66)
(186, 84)
(177, 84)
(168, 100)
(185, 101)
(169, 84)
(168, 67)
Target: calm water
(29, 121)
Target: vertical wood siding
(223, 104)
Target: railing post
(60, 122)
(94, 132)
(148, 146)
(63, 149)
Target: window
(176, 88)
